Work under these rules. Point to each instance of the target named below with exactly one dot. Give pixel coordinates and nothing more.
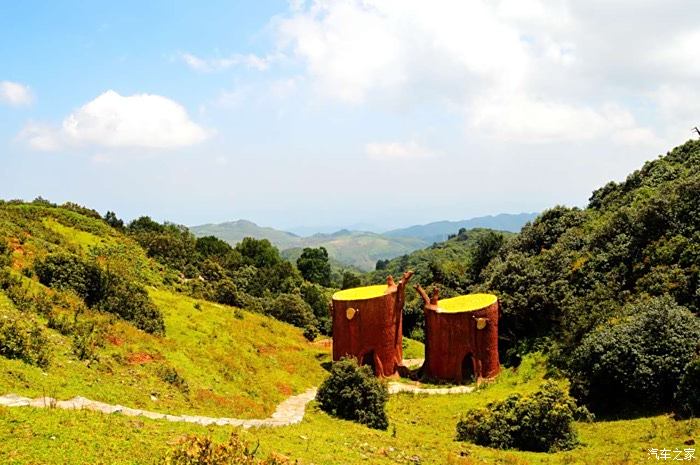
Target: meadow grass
(421, 431)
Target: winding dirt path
(289, 412)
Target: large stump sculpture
(367, 325)
(461, 335)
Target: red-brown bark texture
(370, 330)
(460, 346)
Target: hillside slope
(212, 360)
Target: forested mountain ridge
(439, 231)
(361, 249)
(571, 270)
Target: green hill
(233, 232)
(202, 364)
(362, 249)
(356, 249)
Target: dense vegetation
(638, 361)
(353, 393)
(454, 266)
(250, 275)
(541, 422)
(572, 276)
(572, 270)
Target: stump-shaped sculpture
(461, 335)
(367, 325)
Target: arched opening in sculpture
(368, 359)
(468, 371)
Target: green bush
(635, 365)
(21, 337)
(5, 257)
(292, 309)
(310, 332)
(87, 339)
(353, 393)
(130, 301)
(687, 398)
(68, 271)
(200, 450)
(172, 377)
(104, 291)
(541, 422)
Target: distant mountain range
(360, 249)
(440, 230)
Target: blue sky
(385, 113)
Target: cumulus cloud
(397, 150)
(115, 121)
(519, 70)
(528, 120)
(249, 60)
(15, 94)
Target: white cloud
(529, 120)
(519, 70)
(249, 60)
(397, 151)
(362, 48)
(115, 121)
(15, 94)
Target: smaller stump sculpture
(461, 335)
(367, 325)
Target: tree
(487, 247)
(350, 280)
(381, 264)
(314, 266)
(258, 252)
(112, 220)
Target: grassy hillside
(203, 364)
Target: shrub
(636, 364)
(541, 422)
(68, 271)
(199, 450)
(353, 393)
(172, 377)
(310, 332)
(130, 301)
(291, 308)
(22, 338)
(5, 257)
(88, 337)
(687, 398)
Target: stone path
(395, 388)
(289, 412)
